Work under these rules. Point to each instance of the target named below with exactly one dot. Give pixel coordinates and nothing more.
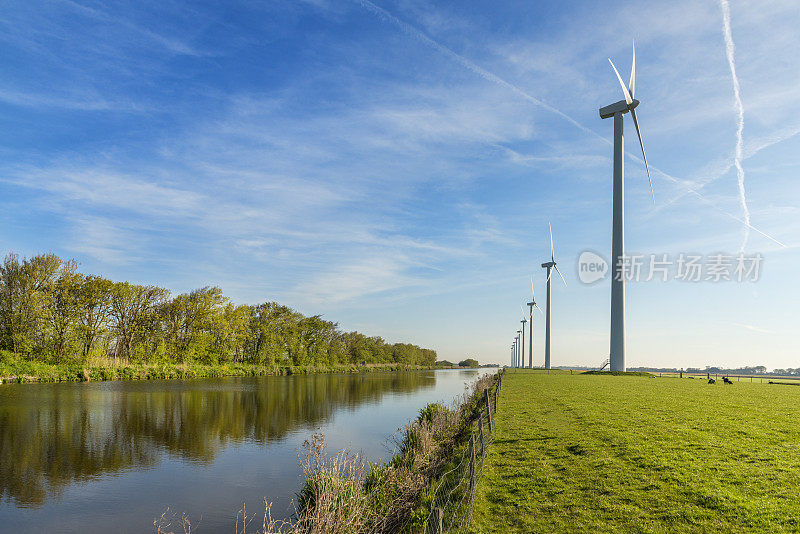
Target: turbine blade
(559, 274)
(533, 295)
(552, 253)
(628, 98)
(549, 272)
(633, 71)
(641, 144)
(538, 308)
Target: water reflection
(54, 435)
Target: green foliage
(469, 362)
(586, 453)
(50, 313)
(340, 487)
(14, 368)
(430, 411)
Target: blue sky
(394, 165)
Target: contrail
(480, 71)
(486, 75)
(737, 158)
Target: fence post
(496, 394)
(472, 463)
(488, 408)
(480, 432)
(438, 525)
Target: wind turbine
(531, 304)
(514, 353)
(549, 265)
(518, 348)
(617, 110)
(523, 321)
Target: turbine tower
(518, 348)
(531, 304)
(514, 353)
(617, 110)
(549, 265)
(523, 321)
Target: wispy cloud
(350, 158)
(470, 65)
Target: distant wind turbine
(531, 304)
(617, 110)
(523, 321)
(514, 354)
(549, 265)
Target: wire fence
(451, 506)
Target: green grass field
(582, 453)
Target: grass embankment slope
(14, 368)
(583, 453)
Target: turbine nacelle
(549, 264)
(629, 104)
(618, 107)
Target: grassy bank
(584, 453)
(15, 369)
(345, 496)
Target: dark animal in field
(691, 378)
(712, 381)
(726, 380)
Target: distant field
(579, 453)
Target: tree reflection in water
(52, 435)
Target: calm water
(110, 457)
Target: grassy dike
(589, 453)
(16, 369)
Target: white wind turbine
(549, 265)
(523, 321)
(617, 110)
(531, 304)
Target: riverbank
(16, 369)
(343, 494)
(587, 453)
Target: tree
(469, 362)
(25, 290)
(132, 310)
(94, 311)
(64, 308)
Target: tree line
(51, 312)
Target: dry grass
(170, 519)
